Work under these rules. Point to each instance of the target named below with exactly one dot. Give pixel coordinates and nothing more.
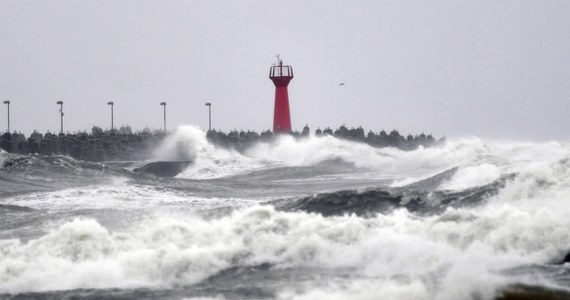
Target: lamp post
(7, 102)
(112, 117)
(209, 105)
(164, 108)
(61, 114)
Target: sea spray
(166, 251)
(189, 143)
(479, 163)
(205, 238)
(210, 161)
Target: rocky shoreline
(118, 145)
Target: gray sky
(495, 69)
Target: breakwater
(99, 145)
(243, 139)
(96, 146)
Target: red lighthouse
(281, 75)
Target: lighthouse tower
(281, 75)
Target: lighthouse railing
(281, 71)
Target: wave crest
(166, 251)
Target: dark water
(311, 219)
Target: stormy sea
(309, 218)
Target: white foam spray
(3, 155)
(458, 253)
(190, 143)
(210, 161)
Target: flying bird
(341, 84)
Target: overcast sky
(493, 69)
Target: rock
(164, 168)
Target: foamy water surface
(214, 233)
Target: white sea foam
(471, 176)
(498, 159)
(3, 155)
(209, 161)
(362, 289)
(120, 195)
(460, 251)
(479, 163)
(459, 254)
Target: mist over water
(224, 229)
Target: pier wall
(102, 146)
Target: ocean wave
(56, 166)
(478, 162)
(467, 249)
(189, 143)
(464, 220)
(210, 161)
(417, 198)
(119, 193)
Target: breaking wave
(478, 163)
(461, 221)
(419, 198)
(461, 251)
(210, 161)
(189, 143)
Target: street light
(209, 105)
(164, 106)
(61, 114)
(112, 117)
(7, 102)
